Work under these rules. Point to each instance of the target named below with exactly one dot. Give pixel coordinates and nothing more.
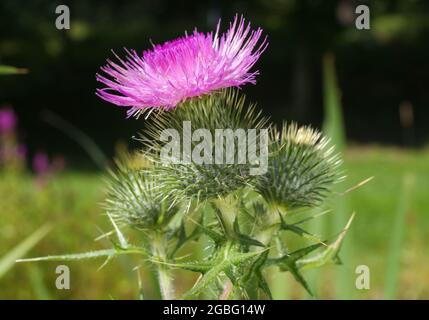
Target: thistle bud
(213, 128)
(301, 168)
(134, 198)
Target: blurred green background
(367, 89)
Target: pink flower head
(187, 67)
(7, 120)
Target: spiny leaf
(195, 266)
(215, 236)
(75, 256)
(181, 239)
(298, 230)
(298, 277)
(87, 255)
(121, 238)
(245, 239)
(264, 285)
(255, 271)
(327, 255)
(108, 259)
(248, 241)
(294, 256)
(314, 216)
(288, 262)
(227, 262)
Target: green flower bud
(225, 109)
(134, 198)
(301, 168)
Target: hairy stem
(165, 279)
(270, 227)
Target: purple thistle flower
(187, 67)
(7, 120)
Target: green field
(70, 203)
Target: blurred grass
(396, 240)
(70, 202)
(21, 249)
(334, 128)
(377, 207)
(6, 70)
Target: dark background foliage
(378, 70)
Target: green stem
(226, 213)
(164, 275)
(271, 227)
(276, 279)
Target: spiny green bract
(134, 198)
(225, 109)
(202, 182)
(301, 168)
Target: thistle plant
(208, 199)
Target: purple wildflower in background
(7, 120)
(21, 151)
(187, 67)
(41, 163)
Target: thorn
(360, 184)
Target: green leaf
(181, 239)
(87, 255)
(21, 249)
(293, 269)
(75, 256)
(245, 239)
(194, 266)
(298, 230)
(255, 272)
(295, 261)
(215, 236)
(12, 70)
(330, 254)
(312, 217)
(225, 260)
(294, 256)
(289, 263)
